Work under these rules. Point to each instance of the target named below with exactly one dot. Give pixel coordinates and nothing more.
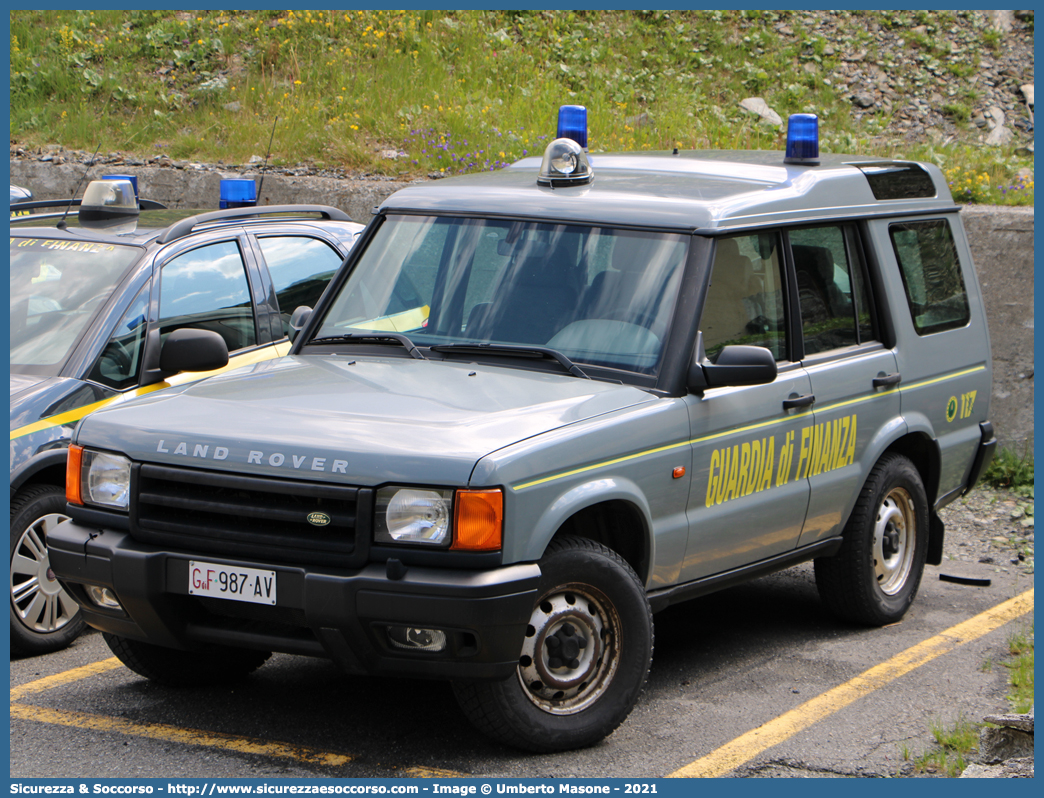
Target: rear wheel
(174, 668)
(44, 617)
(874, 577)
(584, 658)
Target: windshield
(600, 296)
(56, 288)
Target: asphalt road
(745, 659)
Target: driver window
(119, 364)
(744, 304)
(206, 289)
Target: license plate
(237, 584)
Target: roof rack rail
(186, 226)
(143, 204)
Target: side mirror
(188, 349)
(739, 365)
(299, 319)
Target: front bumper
(336, 613)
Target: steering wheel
(646, 320)
(116, 362)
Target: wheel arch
(613, 512)
(47, 468)
(923, 451)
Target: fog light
(103, 597)
(414, 639)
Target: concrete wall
(1001, 241)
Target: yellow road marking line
(46, 683)
(175, 734)
(433, 773)
(745, 747)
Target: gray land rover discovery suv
(538, 405)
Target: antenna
(265, 167)
(61, 222)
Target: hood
(366, 421)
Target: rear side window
(931, 274)
(835, 305)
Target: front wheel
(584, 658)
(874, 577)
(44, 617)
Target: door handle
(890, 379)
(799, 401)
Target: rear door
(855, 380)
(943, 346)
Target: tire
(577, 698)
(874, 577)
(44, 617)
(213, 665)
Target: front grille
(250, 517)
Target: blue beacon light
(238, 193)
(802, 140)
(572, 124)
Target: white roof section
(690, 190)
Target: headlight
(105, 479)
(413, 515)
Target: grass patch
(1020, 671)
(464, 91)
(1011, 471)
(955, 744)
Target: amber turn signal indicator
(72, 475)
(679, 472)
(479, 520)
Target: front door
(746, 503)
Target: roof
(172, 224)
(690, 190)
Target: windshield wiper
(513, 351)
(398, 338)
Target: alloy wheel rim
(39, 601)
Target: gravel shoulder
(990, 527)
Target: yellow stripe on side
(75, 415)
(246, 359)
(944, 378)
(748, 428)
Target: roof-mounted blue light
(109, 205)
(572, 124)
(802, 140)
(238, 193)
(132, 178)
